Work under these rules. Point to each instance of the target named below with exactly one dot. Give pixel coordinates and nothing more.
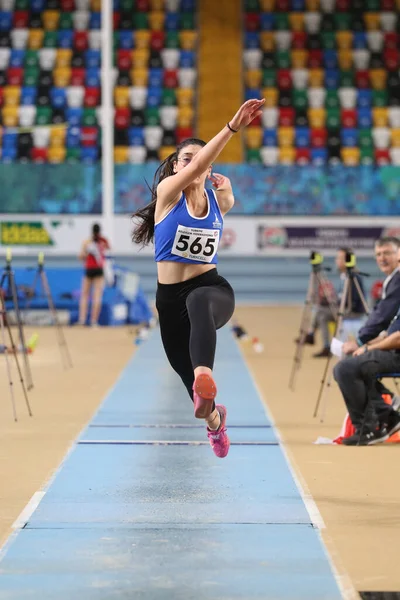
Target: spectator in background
(93, 254)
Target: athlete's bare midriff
(176, 272)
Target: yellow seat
(10, 115)
(188, 39)
(139, 77)
(12, 95)
(267, 5)
(267, 41)
(395, 133)
(185, 96)
(142, 39)
(140, 58)
(121, 96)
(57, 136)
(50, 19)
(380, 116)
(317, 117)
(287, 155)
(185, 116)
(253, 77)
(157, 4)
(63, 57)
(316, 78)
(271, 96)
(35, 39)
(345, 59)
(285, 136)
(120, 155)
(253, 137)
(156, 20)
(166, 151)
(350, 156)
(95, 5)
(296, 20)
(378, 78)
(62, 76)
(299, 59)
(312, 5)
(56, 154)
(372, 21)
(344, 40)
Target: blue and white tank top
(181, 237)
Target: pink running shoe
(219, 438)
(204, 392)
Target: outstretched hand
(220, 182)
(249, 111)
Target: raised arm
(223, 191)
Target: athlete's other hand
(220, 182)
(247, 113)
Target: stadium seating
(50, 84)
(329, 71)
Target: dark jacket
(381, 316)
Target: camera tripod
(344, 309)
(317, 281)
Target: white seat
(381, 137)
(394, 116)
(316, 97)
(114, 75)
(270, 117)
(187, 78)
(75, 96)
(172, 5)
(283, 39)
(41, 137)
(153, 137)
(7, 5)
(327, 6)
(19, 38)
(82, 4)
(347, 97)
(312, 21)
(137, 96)
(300, 78)
(137, 154)
(375, 40)
(361, 58)
(169, 116)
(252, 58)
(47, 58)
(80, 19)
(27, 115)
(269, 156)
(95, 39)
(4, 58)
(170, 58)
(388, 21)
(395, 155)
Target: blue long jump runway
(142, 509)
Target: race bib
(195, 244)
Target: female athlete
(93, 255)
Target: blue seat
(154, 95)
(364, 98)
(267, 21)
(89, 155)
(73, 137)
(65, 38)
(187, 59)
(8, 154)
(171, 22)
(116, 5)
(332, 77)
(95, 20)
(251, 39)
(155, 78)
(92, 77)
(136, 136)
(252, 93)
(319, 155)
(74, 116)
(302, 137)
(330, 59)
(188, 5)
(5, 21)
(298, 5)
(126, 40)
(17, 58)
(58, 97)
(38, 5)
(10, 140)
(92, 59)
(28, 96)
(270, 137)
(349, 137)
(359, 40)
(364, 117)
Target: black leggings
(190, 312)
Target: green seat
(299, 99)
(152, 116)
(31, 58)
(127, 5)
(283, 60)
(31, 76)
(347, 78)
(332, 99)
(372, 5)
(22, 5)
(366, 155)
(333, 118)
(269, 78)
(342, 21)
(50, 39)
(379, 98)
(253, 156)
(365, 138)
(251, 6)
(89, 117)
(140, 20)
(73, 155)
(43, 115)
(65, 21)
(186, 21)
(168, 97)
(281, 21)
(328, 40)
(172, 39)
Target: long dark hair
(143, 232)
(96, 232)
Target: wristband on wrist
(231, 128)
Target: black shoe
(367, 438)
(325, 353)
(393, 423)
(309, 339)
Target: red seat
(1, 95)
(315, 59)
(362, 79)
(157, 41)
(67, 5)
(81, 42)
(89, 136)
(122, 117)
(387, 5)
(92, 97)
(124, 60)
(257, 122)
(39, 155)
(391, 58)
(252, 22)
(116, 20)
(284, 79)
(20, 19)
(391, 40)
(343, 5)
(15, 75)
(183, 133)
(142, 5)
(319, 137)
(299, 40)
(303, 156)
(170, 78)
(286, 117)
(78, 76)
(349, 117)
(283, 5)
(382, 157)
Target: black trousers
(356, 377)
(190, 313)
